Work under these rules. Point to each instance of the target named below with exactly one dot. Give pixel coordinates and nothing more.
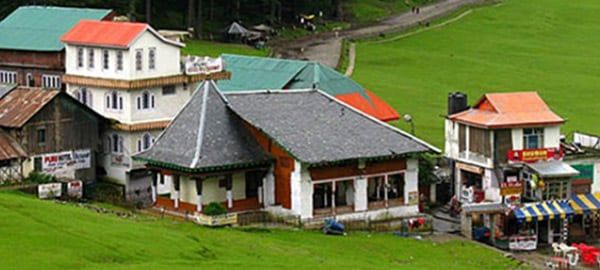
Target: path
(326, 47)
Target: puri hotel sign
(534, 155)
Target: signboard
(203, 65)
(49, 191)
(527, 243)
(533, 155)
(75, 189)
(469, 168)
(511, 188)
(120, 160)
(413, 197)
(65, 163)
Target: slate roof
(110, 34)
(205, 136)
(316, 128)
(9, 148)
(38, 28)
(503, 110)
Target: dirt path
(326, 47)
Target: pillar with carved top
(176, 187)
(229, 193)
(198, 194)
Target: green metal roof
(263, 73)
(39, 28)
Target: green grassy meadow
(366, 11)
(549, 46)
(38, 234)
(214, 49)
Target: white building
(130, 73)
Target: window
(253, 181)
(29, 80)
(8, 76)
(145, 101)
(79, 57)
(185, 86)
(105, 59)
(396, 186)
(84, 96)
(90, 58)
(119, 60)
(145, 143)
(151, 58)
(117, 143)
(114, 101)
(533, 138)
(41, 136)
(51, 81)
(168, 90)
(138, 59)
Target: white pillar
(153, 194)
(260, 194)
(176, 200)
(411, 179)
(360, 195)
(229, 197)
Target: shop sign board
(511, 188)
(66, 163)
(469, 168)
(534, 155)
(49, 191)
(524, 243)
(75, 189)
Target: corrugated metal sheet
(21, 104)
(9, 148)
(6, 88)
(39, 28)
(118, 34)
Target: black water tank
(457, 102)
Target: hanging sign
(469, 168)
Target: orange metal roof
(18, 106)
(9, 148)
(501, 110)
(104, 33)
(375, 107)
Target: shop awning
(553, 169)
(543, 211)
(585, 203)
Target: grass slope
(365, 11)
(38, 234)
(550, 46)
(214, 49)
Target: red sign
(533, 155)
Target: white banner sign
(75, 189)
(48, 191)
(65, 163)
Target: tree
(190, 14)
(148, 10)
(198, 28)
(339, 10)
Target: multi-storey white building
(130, 73)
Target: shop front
(539, 224)
(585, 226)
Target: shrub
(40, 178)
(215, 209)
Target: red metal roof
(9, 148)
(18, 106)
(104, 33)
(502, 110)
(375, 107)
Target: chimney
(457, 102)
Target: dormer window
(90, 58)
(533, 138)
(151, 58)
(79, 57)
(105, 59)
(138, 59)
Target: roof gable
(316, 128)
(38, 28)
(501, 110)
(9, 148)
(109, 34)
(205, 135)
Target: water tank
(457, 102)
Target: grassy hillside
(45, 235)
(214, 49)
(550, 46)
(364, 11)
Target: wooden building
(59, 135)
(31, 53)
(300, 153)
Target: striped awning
(543, 211)
(585, 203)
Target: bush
(40, 178)
(215, 209)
